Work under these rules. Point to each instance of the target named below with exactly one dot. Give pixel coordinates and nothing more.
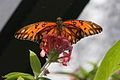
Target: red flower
(58, 44)
(65, 58)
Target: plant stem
(51, 58)
(45, 66)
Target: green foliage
(110, 63)
(35, 64)
(81, 73)
(70, 74)
(43, 78)
(108, 67)
(53, 56)
(91, 74)
(18, 76)
(116, 76)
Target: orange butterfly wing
(73, 30)
(34, 32)
(77, 29)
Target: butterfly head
(59, 22)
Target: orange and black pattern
(73, 30)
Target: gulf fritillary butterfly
(73, 30)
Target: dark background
(14, 54)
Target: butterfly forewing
(34, 32)
(81, 28)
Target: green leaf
(82, 72)
(20, 78)
(116, 76)
(35, 63)
(110, 63)
(15, 75)
(91, 74)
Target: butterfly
(73, 30)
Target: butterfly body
(73, 30)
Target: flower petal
(42, 53)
